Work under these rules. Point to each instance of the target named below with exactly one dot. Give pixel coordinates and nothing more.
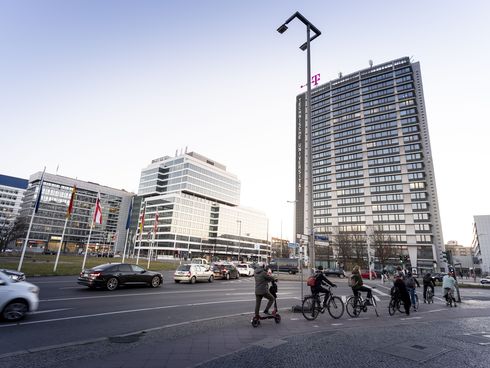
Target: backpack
(311, 281)
(410, 282)
(427, 278)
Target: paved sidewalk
(432, 339)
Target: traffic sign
(293, 245)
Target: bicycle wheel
(430, 296)
(310, 307)
(392, 307)
(353, 307)
(335, 307)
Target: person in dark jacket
(320, 279)
(428, 283)
(357, 284)
(401, 289)
(262, 279)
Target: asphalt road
(70, 313)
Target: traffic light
(444, 256)
(401, 259)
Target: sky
(97, 89)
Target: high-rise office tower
(372, 172)
(11, 193)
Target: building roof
(11, 181)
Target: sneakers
(266, 312)
(425, 301)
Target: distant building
(49, 221)
(461, 257)
(372, 166)
(199, 214)
(12, 191)
(481, 242)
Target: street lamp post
(309, 180)
(239, 238)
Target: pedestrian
(262, 277)
(411, 283)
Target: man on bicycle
(262, 278)
(428, 283)
(411, 283)
(448, 284)
(320, 278)
(357, 284)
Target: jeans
(411, 291)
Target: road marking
(128, 311)
(50, 310)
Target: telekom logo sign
(314, 80)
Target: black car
(438, 276)
(292, 269)
(225, 271)
(111, 275)
(334, 272)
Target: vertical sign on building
(300, 163)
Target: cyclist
(428, 283)
(411, 282)
(448, 282)
(320, 278)
(357, 284)
(262, 277)
(400, 288)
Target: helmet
(320, 268)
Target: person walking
(262, 278)
(411, 283)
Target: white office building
(481, 242)
(12, 191)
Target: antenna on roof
(370, 63)
(340, 74)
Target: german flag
(72, 200)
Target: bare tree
(360, 250)
(384, 249)
(343, 242)
(12, 232)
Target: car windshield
(242, 266)
(184, 268)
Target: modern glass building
(197, 202)
(49, 221)
(373, 177)
(11, 193)
(481, 242)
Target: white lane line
(126, 311)
(50, 311)
(131, 295)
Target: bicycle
(395, 303)
(429, 295)
(357, 304)
(312, 305)
(450, 300)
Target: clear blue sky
(100, 88)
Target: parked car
(365, 275)
(334, 272)
(245, 269)
(438, 276)
(193, 273)
(200, 261)
(225, 271)
(288, 265)
(17, 298)
(485, 281)
(14, 275)
(113, 275)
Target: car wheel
(193, 280)
(291, 272)
(341, 276)
(237, 276)
(112, 284)
(15, 310)
(155, 282)
(176, 281)
(211, 278)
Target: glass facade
(49, 221)
(197, 202)
(372, 165)
(12, 191)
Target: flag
(38, 200)
(72, 200)
(142, 219)
(155, 226)
(98, 211)
(129, 214)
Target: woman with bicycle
(320, 278)
(357, 284)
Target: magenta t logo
(315, 79)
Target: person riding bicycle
(262, 277)
(320, 278)
(411, 283)
(400, 290)
(428, 283)
(357, 284)
(448, 284)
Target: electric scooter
(274, 315)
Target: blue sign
(321, 237)
(293, 245)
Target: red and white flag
(98, 211)
(155, 225)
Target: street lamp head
(304, 46)
(282, 29)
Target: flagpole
(32, 219)
(90, 233)
(127, 229)
(139, 247)
(59, 248)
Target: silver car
(193, 273)
(17, 298)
